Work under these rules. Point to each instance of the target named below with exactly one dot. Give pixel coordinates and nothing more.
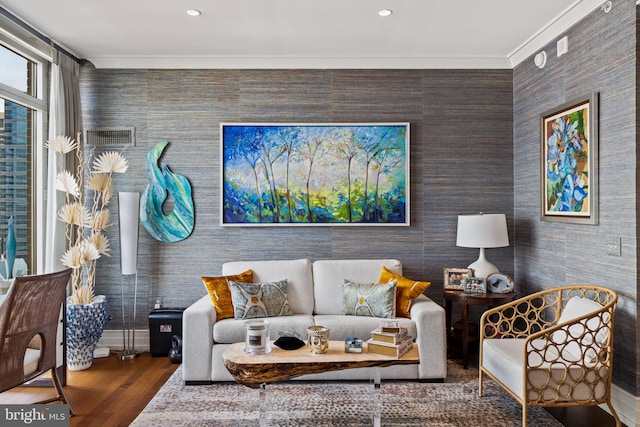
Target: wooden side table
(488, 300)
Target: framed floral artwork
(569, 170)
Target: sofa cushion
(230, 331)
(297, 272)
(406, 291)
(343, 327)
(253, 300)
(369, 299)
(329, 275)
(218, 289)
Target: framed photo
(569, 154)
(315, 174)
(475, 285)
(454, 278)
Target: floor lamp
(128, 214)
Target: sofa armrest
(431, 337)
(197, 340)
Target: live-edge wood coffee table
(256, 371)
(281, 365)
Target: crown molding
(298, 62)
(571, 16)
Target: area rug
(314, 404)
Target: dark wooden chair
(29, 320)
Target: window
(22, 133)
(15, 179)
(14, 71)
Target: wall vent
(108, 137)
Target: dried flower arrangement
(84, 228)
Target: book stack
(390, 340)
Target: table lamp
(482, 231)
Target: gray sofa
(315, 298)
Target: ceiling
(302, 33)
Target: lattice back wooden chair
(29, 320)
(552, 348)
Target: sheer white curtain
(65, 118)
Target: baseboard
(626, 405)
(112, 338)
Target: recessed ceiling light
(194, 12)
(385, 12)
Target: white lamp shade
(128, 214)
(482, 231)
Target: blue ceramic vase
(85, 323)
(10, 247)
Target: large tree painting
(320, 174)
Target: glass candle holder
(318, 339)
(257, 337)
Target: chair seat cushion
(505, 360)
(31, 358)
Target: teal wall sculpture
(178, 224)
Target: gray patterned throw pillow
(369, 299)
(254, 300)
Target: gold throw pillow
(218, 289)
(407, 290)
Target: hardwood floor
(113, 392)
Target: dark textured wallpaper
(461, 162)
(601, 58)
